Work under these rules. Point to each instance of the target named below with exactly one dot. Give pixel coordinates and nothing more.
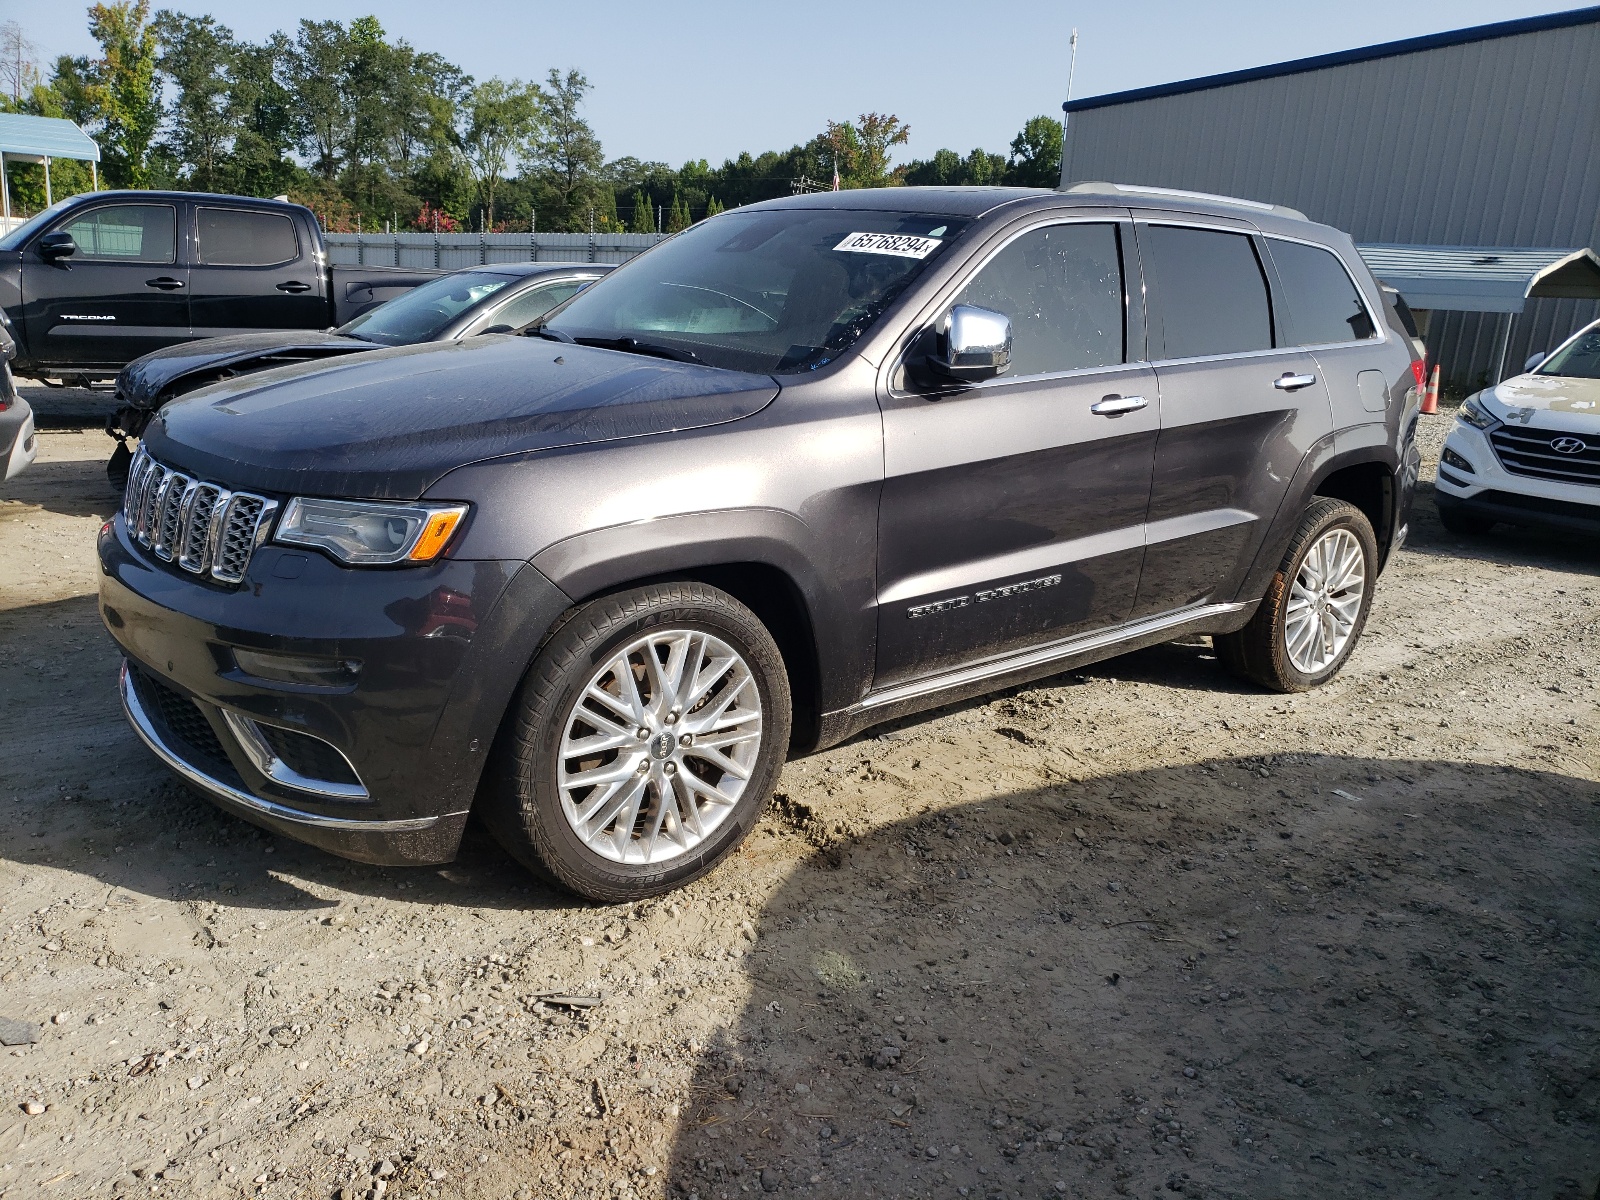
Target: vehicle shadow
(1515, 545)
(1211, 980)
(73, 488)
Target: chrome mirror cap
(977, 345)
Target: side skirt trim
(1036, 656)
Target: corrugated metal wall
(1493, 143)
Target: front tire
(1316, 606)
(643, 744)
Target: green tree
(314, 73)
(197, 54)
(858, 153)
(677, 214)
(1036, 154)
(497, 118)
(643, 219)
(565, 154)
(120, 87)
(714, 206)
(262, 109)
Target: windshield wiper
(632, 345)
(549, 335)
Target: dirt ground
(1137, 930)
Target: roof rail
(1096, 187)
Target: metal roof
(1433, 41)
(1483, 278)
(45, 137)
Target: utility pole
(1072, 69)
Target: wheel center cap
(662, 745)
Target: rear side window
(231, 237)
(1062, 288)
(1207, 291)
(145, 233)
(535, 302)
(1324, 305)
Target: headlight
(367, 533)
(1474, 414)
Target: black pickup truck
(101, 278)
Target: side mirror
(53, 246)
(976, 346)
(1534, 361)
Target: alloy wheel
(1324, 601)
(659, 746)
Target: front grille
(1532, 452)
(203, 527)
(182, 726)
(308, 756)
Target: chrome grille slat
(201, 527)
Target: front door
(251, 272)
(1013, 511)
(122, 293)
(1239, 410)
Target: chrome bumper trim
(260, 752)
(228, 794)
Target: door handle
(164, 283)
(1115, 406)
(1293, 383)
(294, 285)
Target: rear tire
(643, 743)
(1316, 606)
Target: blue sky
(709, 78)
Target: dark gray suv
(808, 466)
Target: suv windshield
(1580, 359)
(422, 314)
(774, 292)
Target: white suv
(1527, 451)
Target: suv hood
(144, 381)
(387, 424)
(1561, 402)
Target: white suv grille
(203, 527)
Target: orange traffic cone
(1430, 394)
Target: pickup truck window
(1207, 290)
(1062, 288)
(232, 237)
(146, 233)
(422, 313)
(780, 291)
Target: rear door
(1012, 511)
(253, 269)
(1239, 409)
(122, 294)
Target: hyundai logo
(1569, 445)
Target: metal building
(1482, 137)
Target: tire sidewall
(1344, 517)
(553, 834)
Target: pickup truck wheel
(1316, 606)
(643, 743)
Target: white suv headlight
(1474, 414)
(370, 533)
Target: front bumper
(1492, 492)
(383, 765)
(18, 441)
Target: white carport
(1490, 279)
(38, 140)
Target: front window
(1578, 359)
(135, 233)
(423, 313)
(778, 292)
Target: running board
(1040, 656)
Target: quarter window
(534, 303)
(1323, 302)
(231, 237)
(1062, 288)
(146, 233)
(1207, 292)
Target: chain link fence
(451, 251)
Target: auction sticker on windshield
(901, 245)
